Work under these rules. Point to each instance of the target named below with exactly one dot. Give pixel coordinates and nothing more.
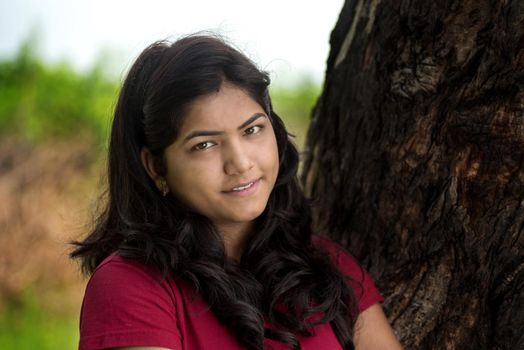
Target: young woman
(206, 238)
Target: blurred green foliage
(39, 101)
(28, 325)
(294, 105)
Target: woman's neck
(235, 236)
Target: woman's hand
(373, 332)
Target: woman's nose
(237, 159)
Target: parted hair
(281, 277)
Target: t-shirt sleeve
(359, 279)
(125, 304)
(363, 285)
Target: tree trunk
(415, 157)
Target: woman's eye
(202, 145)
(253, 129)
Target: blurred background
(61, 65)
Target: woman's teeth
(243, 188)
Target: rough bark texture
(415, 155)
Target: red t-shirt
(127, 304)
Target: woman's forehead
(225, 109)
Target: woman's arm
(373, 332)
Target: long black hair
(281, 276)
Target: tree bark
(415, 159)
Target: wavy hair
(281, 276)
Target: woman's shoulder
(325, 243)
(128, 303)
(360, 280)
(119, 267)
(121, 278)
(344, 260)
(332, 248)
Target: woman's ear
(148, 162)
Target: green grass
(29, 326)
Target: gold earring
(163, 187)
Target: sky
(288, 38)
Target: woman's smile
(244, 190)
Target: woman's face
(224, 162)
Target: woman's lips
(246, 191)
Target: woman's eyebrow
(198, 133)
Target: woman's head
(224, 162)
(172, 93)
